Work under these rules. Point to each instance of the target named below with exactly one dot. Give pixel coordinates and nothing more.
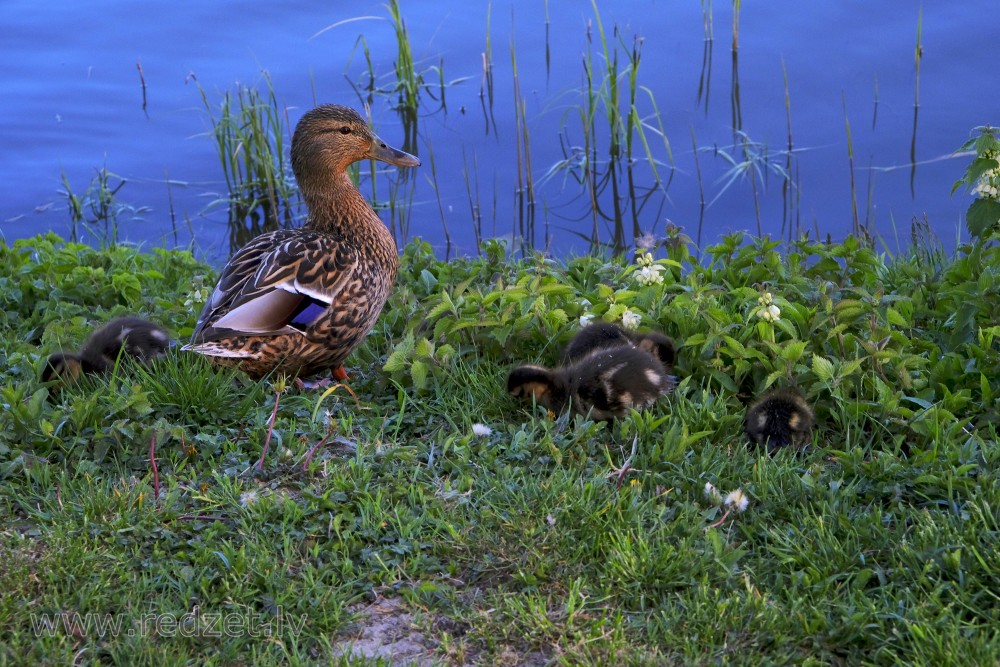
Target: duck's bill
(386, 153)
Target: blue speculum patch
(307, 313)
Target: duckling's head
(331, 137)
(540, 384)
(779, 418)
(64, 368)
(658, 345)
(132, 336)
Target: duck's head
(331, 137)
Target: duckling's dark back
(132, 336)
(124, 336)
(603, 335)
(608, 383)
(596, 336)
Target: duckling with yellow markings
(604, 384)
(300, 300)
(779, 418)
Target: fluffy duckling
(779, 418)
(602, 335)
(124, 336)
(605, 383)
(300, 300)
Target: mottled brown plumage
(604, 384)
(779, 418)
(601, 335)
(121, 337)
(300, 300)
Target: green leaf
(895, 318)
(418, 372)
(424, 348)
(793, 350)
(823, 368)
(397, 359)
(128, 286)
(982, 215)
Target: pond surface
(74, 103)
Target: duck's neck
(336, 207)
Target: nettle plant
(982, 179)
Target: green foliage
(982, 178)
(566, 539)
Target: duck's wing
(278, 283)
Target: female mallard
(299, 300)
(605, 383)
(601, 335)
(121, 337)
(778, 418)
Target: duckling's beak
(386, 153)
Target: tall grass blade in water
(856, 223)
(734, 95)
(408, 81)
(525, 194)
(705, 81)
(249, 132)
(486, 87)
(98, 210)
(918, 53)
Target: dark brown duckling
(602, 335)
(779, 418)
(605, 384)
(124, 336)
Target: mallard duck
(600, 335)
(121, 337)
(604, 384)
(300, 300)
(778, 418)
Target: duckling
(599, 335)
(778, 418)
(300, 300)
(124, 336)
(605, 383)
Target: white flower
(643, 259)
(737, 500)
(481, 430)
(770, 313)
(712, 493)
(649, 275)
(631, 320)
(585, 319)
(765, 299)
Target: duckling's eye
(345, 130)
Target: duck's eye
(345, 129)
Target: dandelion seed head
(481, 430)
(737, 500)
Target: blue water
(73, 103)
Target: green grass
(876, 544)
